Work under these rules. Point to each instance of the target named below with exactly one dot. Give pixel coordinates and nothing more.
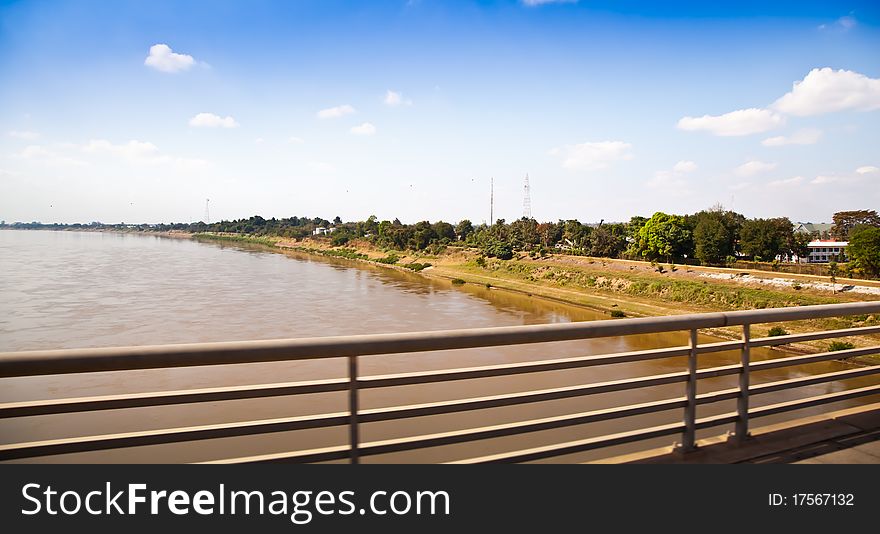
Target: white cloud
(868, 169)
(667, 180)
(534, 3)
(209, 120)
(740, 122)
(673, 178)
(795, 180)
(826, 90)
(41, 154)
(320, 166)
(684, 166)
(131, 150)
(336, 112)
(806, 136)
(363, 129)
(395, 99)
(295, 140)
(259, 140)
(845, 23)
(821, 179)
(18, 134)
(142, 153)
(162, 58)
(752, 168)
(593, 156)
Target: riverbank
(618, 288)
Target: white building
(825, 251)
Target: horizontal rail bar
(719, 347)
(510, 399)
(172, 435)
(812, 336)
(234, 352)
(812, 358)
(780, 385)
(164, 398)
(325, 454)
(424, 377)
(571, 447)
(474, 434)
(788, 406)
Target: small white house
(321, 231)
(826, 251)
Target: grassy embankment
(596, 285)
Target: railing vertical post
(353, 409)
(690, 411)
(742, 403)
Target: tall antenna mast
(491, 201)
(207, 213)
(527, 199)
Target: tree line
(711, 237)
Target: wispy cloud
(844, 23)
(210, 120)
(336, 112)
(752, 168)
(23, 134)
(794, 180)
(868, 169)
(806, 136)
(535, 3)
(163, 59)
(593, 156)
(394, 99)
(363, 129)
(736, 123)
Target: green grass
(777, 331)
(457, 281)
(237, 238)
(840, 345)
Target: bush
(481, 261)
(617, 314)
(457, 281)
(389, 259)
(777, 331)
(417, 266)
(840, 345)
(796, 286)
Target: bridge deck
(850, 436)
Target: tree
(845, 221)
(463, 229)
(337, 220)
(766, 238)
(864, 249)
(663, 236)
(607, 241)
(799, 244)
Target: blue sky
(139, 111)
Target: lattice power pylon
(527, 199)
(207, 213)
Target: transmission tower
(491, 201)
(207, 213)
(527, 199)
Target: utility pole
(491, 201)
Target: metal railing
(51, 362)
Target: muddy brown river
(90, 289)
